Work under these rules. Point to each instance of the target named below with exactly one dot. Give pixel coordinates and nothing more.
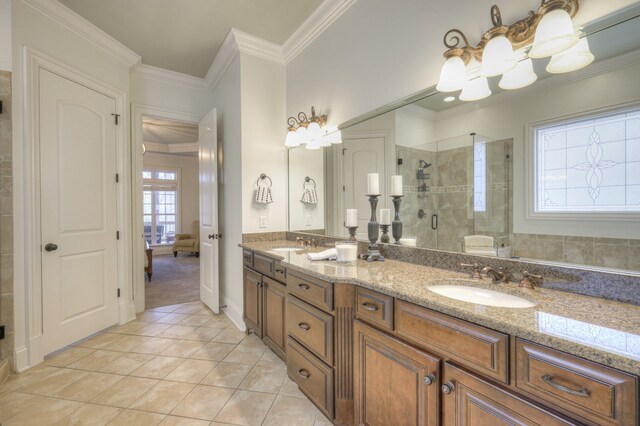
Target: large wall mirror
(550, 172)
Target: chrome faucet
(499, 276)
(300, 241)
(477, 270)
(306, 243)
(530, 281)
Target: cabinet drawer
(279, 272)
(311, 327)
(263, 264)
(313, 377)
(374, 308)
(597, 393)
(247, 258)
(470, 345)
(317, 292)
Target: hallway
(175, 280)
(175, 365)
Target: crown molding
(418, 111)
(171, 148)
(225, 56)
(325, 15)
(65, 17)
(257, 46)
(167, 76)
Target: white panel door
(78, 210)
(363, 156)
(208, 159)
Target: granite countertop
(604, 331)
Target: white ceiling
(168, 132)
(185, 35)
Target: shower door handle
(434, 221)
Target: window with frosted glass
(480, 177)
(589, 165)
(160, 198)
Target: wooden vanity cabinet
(273, 323)
(252, 301)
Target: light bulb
(292, 139)
(554, 34)
(453, 75)
(497, 57)
(475, 89)
(579, 56)
(521, 76)
(303, 135)
(314, 131)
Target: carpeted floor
(174, 280)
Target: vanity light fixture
(502, 51)
(311, 131)
(449, 99)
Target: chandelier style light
(506, 51)
(313, 132)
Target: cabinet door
(468, 400)
(273, 318)
(253, 301)
(394, 383)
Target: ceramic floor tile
(321, 420)
(204, 402)
(291, 411)
(154, 346)
(170, 308)
(252, 340)
(126, 364)
(34, 375)
(214, 351)
(245, 355)
(228, 375)
(290, 388)
(88, 387)
(125, 392)
(90, 415)
(203, 334)
(183, 348)
(158, 368)
(67, 356)
(270, 359)
(13, 403)
(127, 343)
(230, 335)
(195, 320)
(150, 316)
(218, 321)
(163, 397)
(99, 341)
(183, 421)
(264, 379)
(191, 371)
(137, 418)
(177, 331)
(246, 408)
(96, 360)
(150, 329)
(47, 411)
(172, 318)
(55, 382)
(187, 309)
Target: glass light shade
(313, 145)
(497, 57)
(579, 56)
(323, 140)
(521, 76)
(453, 75)
(314, 131)
(554, 34)
(303, 135)
(475, 89)
(335, 137)
(292, 139)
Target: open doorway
(170, 211)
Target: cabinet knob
(369, 306)
(304, 373)
(429, 379)
(304, 326)
(448, 388)
(303, 286)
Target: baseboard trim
(127, 312)
(21, 359)
(234, 314)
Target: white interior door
(208, 159)
(78, 210)
(363, 156)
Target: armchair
(189, 243)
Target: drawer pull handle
(304, 373)
(580, 392)
(280, 271)
(304, 326)
(429, 379)
(303, 286)
(369, 306)
(448, 388)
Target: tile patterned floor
(174, 365)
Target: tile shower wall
(606, 252)
(6, 222)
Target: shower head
(423, 164)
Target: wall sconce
(501, 51)
(313, 132)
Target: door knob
(51, 247)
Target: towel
(309, 196)
(263, 195)
(330, 254)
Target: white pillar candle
(373, 184)
(346, 252)
(352, 218)
(396, 185)
(385, 216)
(408, 241)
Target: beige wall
(188, 166)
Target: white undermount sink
(287, 249)
(481, 296)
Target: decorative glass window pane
(146, 175)
(160, 205)
(589, 165)
(480, 177)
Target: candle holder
(373, 251)
(396, 225)
(352, 233)
(385, 234)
